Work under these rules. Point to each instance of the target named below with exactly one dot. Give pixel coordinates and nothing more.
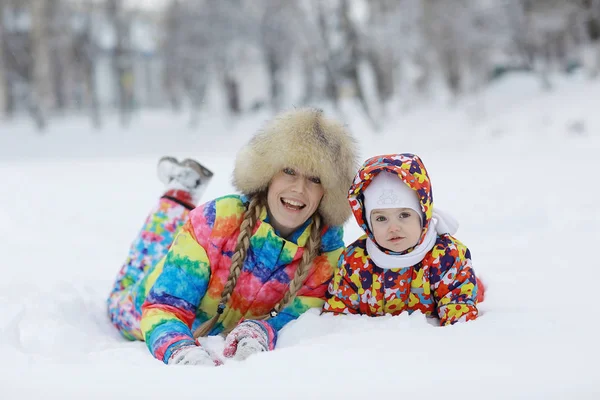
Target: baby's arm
(455, 285)
(342, 295)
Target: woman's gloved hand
(248, 338)
(193, 355)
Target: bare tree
(237, 23)
(42, 100)
(60, 36)
(280, 22)
(382, 54)
(588, 22)
(356, 58)
(3, 76)
(328, 53)
(85, 55)
(401, 66)
(594, 34)
(388, 53)
(174, 29)
(204, 38)
(443, 36)
(543, 34)
(121, 59)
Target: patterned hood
(410, 170)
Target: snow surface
(514, 165)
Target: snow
(513, 164)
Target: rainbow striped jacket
(184, 288)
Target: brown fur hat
(304, 139)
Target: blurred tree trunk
(4, 88)
(592, 28)
(332, 88)
(271, 33)
(356, 58)
(58, 58)
(383, 69)
(592, 21)
(595, 33)
(308, 72)
(121, 60)
(380, 55)
(174, 38)
(196, 91)
(275, 85)
(88, 55)
(520, 28)
(42, 101)
(232, 92)
(92, 92)
(423, 81)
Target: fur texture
(304, 139)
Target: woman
(241, 265)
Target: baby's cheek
(379, 233)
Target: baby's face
(396, 229)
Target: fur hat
(304, 139)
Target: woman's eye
(315, 179)
(289, 171)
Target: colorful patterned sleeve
(454, 283)
(170, 306)
(313, 292)
(342, 294)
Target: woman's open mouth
(292, 205)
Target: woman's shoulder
(230, 204)
(223, 212)
(332, 239)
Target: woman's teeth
(292, 204)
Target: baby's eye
(315, 179)
(289, 171)
(404, 215)
(380, 218)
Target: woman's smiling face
(293, 198)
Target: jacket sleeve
(342, 295)
(454, 285)
(170, 307)
(313, 292)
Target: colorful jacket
(185, 287)
(443, 284)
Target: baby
(407, 260)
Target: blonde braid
(311, 251)
(251, 216)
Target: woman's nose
(299, 184)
